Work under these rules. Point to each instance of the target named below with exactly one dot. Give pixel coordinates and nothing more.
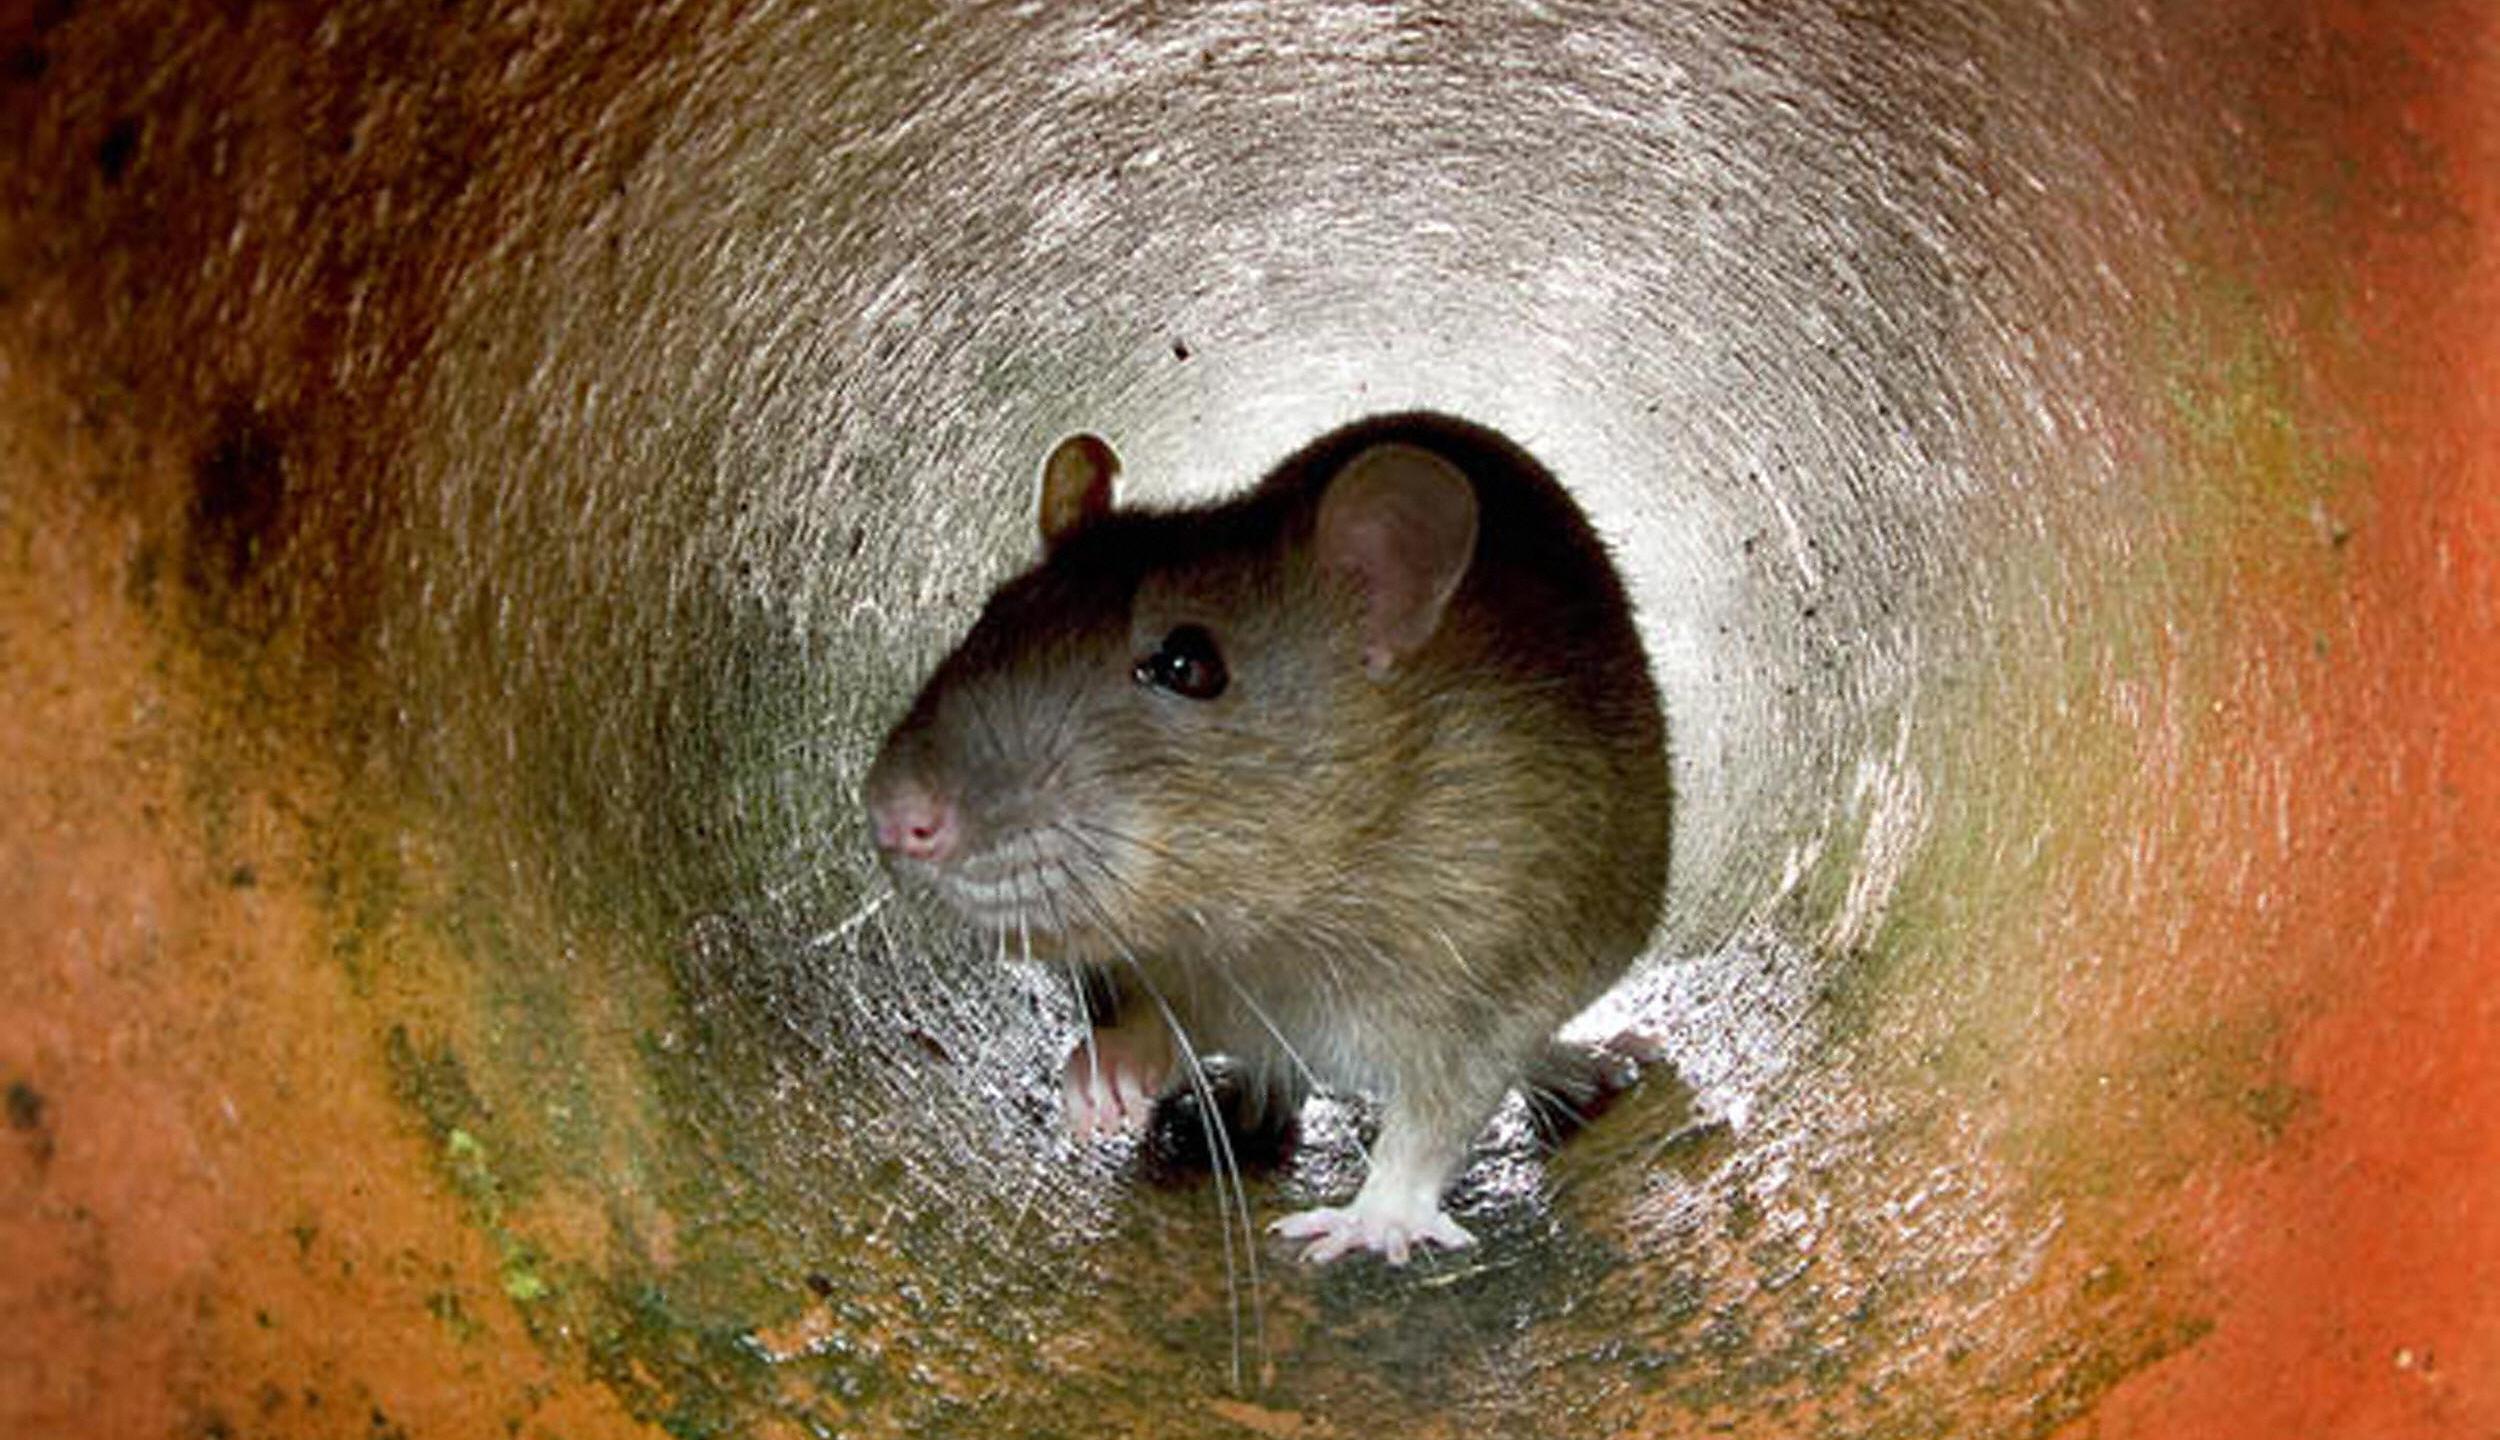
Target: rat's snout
(912, 818)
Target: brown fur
(1413, 880)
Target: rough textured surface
(473, 488)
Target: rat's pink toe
(1393, 1233)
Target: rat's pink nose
(914, 821)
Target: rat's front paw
(1110, 1083)
(1392, 1231)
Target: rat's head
(1178, 723)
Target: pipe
(478, 487)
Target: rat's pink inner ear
(1076, 486)
(1400, 522)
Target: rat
(1358, 779)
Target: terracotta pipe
(474, 487)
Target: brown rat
(1359, 779)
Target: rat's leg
(1570, 1082)
(1423, 1143)
(1111, 1080)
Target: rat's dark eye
(1187, 663)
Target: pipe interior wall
(474, 488)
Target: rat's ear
(1076, 486)
(1401, 524)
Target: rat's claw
(1393, 1233)
(1640, 1044)
(1108, 1088)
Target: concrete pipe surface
(476, 482)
